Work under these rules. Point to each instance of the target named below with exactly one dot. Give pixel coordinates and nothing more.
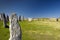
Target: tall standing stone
(4, 21)
(7, 18)
(19, 18)
(1, 16)
(22, 18)
(15, 29)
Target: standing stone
(7, 18)
(19, 18)
(1, 16)
(4, 21)
(22, 18)
(15, 29)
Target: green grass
(35, 30)
(4, 32)
(39, 31)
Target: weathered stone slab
(22, 18)
(19, 18)
(7, 18)
(1, 16)
(15, 29)
(4, 21)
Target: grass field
(35, 30)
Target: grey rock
(15, 29)
(22, 18)
(19, 18)
(1, 16)
(7, 18)
(4, 20)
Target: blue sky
(31, 8)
